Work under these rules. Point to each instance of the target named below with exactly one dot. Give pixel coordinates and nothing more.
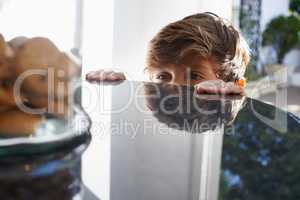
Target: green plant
(295, 6)
(283, 34)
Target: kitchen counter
(164, 142)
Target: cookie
(17, 42)
(15, 123)
(6, 56)
(58, 107)
(7, 98)
(49, 70)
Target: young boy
(201, 50)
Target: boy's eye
(165, 76)
(195, 76)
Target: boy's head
(197, 48)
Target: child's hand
(105, 75)
(218, 87)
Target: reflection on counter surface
(165, 142)
(258, 161)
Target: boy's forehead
(196, 60)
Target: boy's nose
(179, 79)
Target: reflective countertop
(163, 142)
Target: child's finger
(209, 87)
(218, 87)
(207, 90)
(231, 88)
(93, 75)
(105, 75)
(100, 75)
(116, 76)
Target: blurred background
(115, 34)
